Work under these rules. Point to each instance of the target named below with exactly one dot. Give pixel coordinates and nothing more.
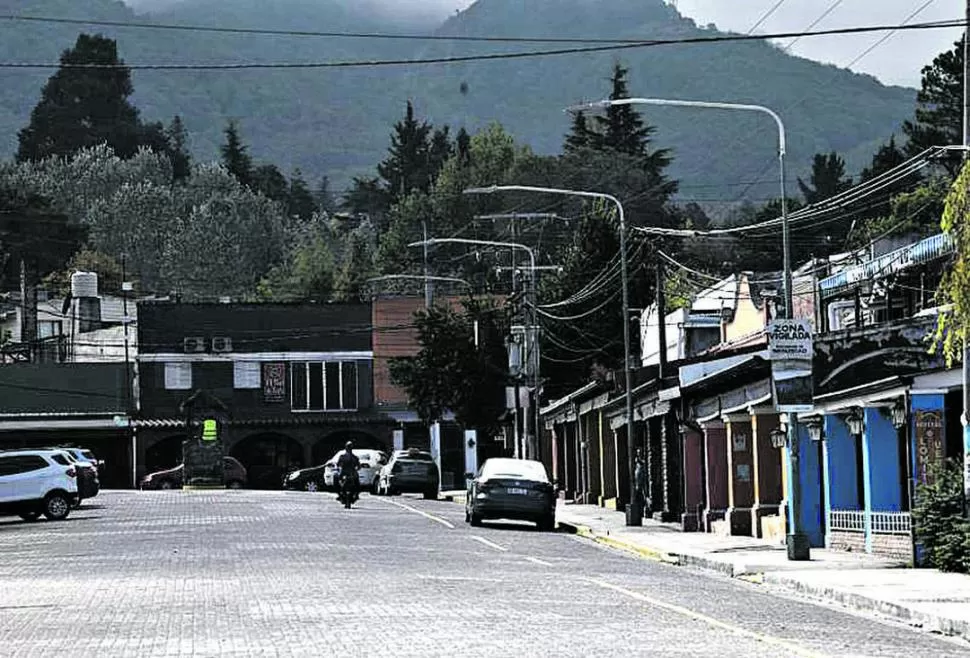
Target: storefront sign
(274, 382)
(929, 444)
(790, 352)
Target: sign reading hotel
(929, 444)
(790, 353)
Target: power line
(765, 16)
(479, 57)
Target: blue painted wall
(840, 466)
(881, 463)
(810, 516)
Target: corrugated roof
(921, 252)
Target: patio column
(841, 472)
(767, 461)
(880, 468)
(694, 479)
(740, 461)
(716, 480)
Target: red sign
(274, 382)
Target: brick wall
(897, 547)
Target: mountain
(336, 121)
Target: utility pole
(125, 322)
(966, 348)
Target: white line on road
(489, 543)
(791, 649)
(536, 560)
(437, 519)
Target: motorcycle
(347, 493)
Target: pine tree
(407, 166)
(828, 178)
(463, 147)
(84, 107)
(939, 111)
(178, 149)
(889, 156)
(580, 136)
(300, 201)
(269, 181)
(235, 156)
(439, 150)
(323, 197)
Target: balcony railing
(882, 523)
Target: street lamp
(899, 414)
(778, 437)
(856, 422)
(815, 430)
(634, 516)
(430, 242)
(798, 547)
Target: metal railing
(847, 520)
(891, 523)
(881, 523)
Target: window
(178, 376)
(61, 459)
(22, 464)
(48, 329)
(245, 375)
(329, 386)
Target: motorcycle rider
(349, 465)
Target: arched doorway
(332, 443)
(164, 454)
(267, 458)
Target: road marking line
(437, 519)
(793, 649)
(536, 560)
(488, 543)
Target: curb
(644, 552)
(860, 602)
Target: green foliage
(887, 157)
(357, 266)
(235, 155)
(955, 286)
(451, 372)
(917, 212)
(178, 151)
(939, 111)
(300, 202)
(939, 522)
(308, 271)
(108, 268)
(828, 178)
(80, 108)
(32, 231)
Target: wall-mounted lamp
(899, 414)
(856, 422)
(778, 437)
(815, 429)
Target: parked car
(517, 489)
(306, 479)
(35, 482)
(235, 476)
(409, 471)
(88, 481)
(370, 464)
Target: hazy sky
(897, 61)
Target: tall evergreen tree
(300, 201)
(939, 111)
(580, 136)
(271, 183)
(235, 155)
(83, 107)
(407, 167)
(828, 178)
(463, 147)
(178, 150)
(323, 197)
(887, 157)
(440, 149)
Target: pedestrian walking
(640, 481)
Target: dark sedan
(516, 489)
(306, 479)
(235, 476)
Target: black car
(516, 489)
(306, 479)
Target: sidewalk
(922, 597)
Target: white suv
(35, 482)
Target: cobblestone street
(293, 574)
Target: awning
(923, 251)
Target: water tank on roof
(84, 284)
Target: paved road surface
(294, 574)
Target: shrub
(939, 521)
